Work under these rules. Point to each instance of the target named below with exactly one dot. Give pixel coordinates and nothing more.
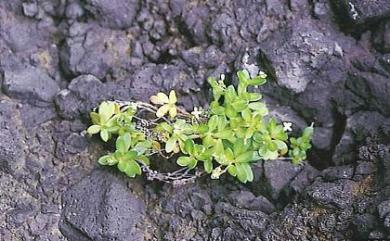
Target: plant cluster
(233, 133)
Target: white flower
(287, 126)
(197, 112)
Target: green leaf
(232, 170)
(248, 172)
(225, 134)
(243, 76)
(166, 127)
(122, 165)
(106, 110)
(222, 122)
(201, 128)
(192, 163)
(130, 168)
(252, 96)
(93, 129)
(282, 146)
(258, 106)
(230, 112)
(189, 146)
(219, 148)
(257, 81)
(142, 147)
(216, 109)
(213, 122)
(236, 122)
(130, 155)
(208, 141)
(144, 159)
(239, 105)
(229, 155)
(183, 161)
(230, 94)
(107, 160)
(95, 118)
(238, 147)
(104, 135)
(159, 99)
(246, 114)
(123, 142)
(208, 166)
(269, 155)
(133, 169)
(163, 110)
(245, 157)
(241, 173)
(308, 132)
(170, 144)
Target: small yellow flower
(168, 104)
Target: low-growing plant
(229, 136)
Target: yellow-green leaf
(159, 99)
(162, 111)
(93, 129)
(172, 97)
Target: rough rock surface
(328, 62)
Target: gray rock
(386, 223)
(364, 224)
(373, 88)
(101, 207)
(208, 57)
(74, 10)
(287, 114)
(31, 85)
(303, 179)
(30, 9)
(376, 234)
(116, 14)
(91, 49)
(338, 193)
(365, 168)
(384, 208)
(338, 172)
(83, 94)
(381, 37)
(278, 174)
(12, 146)
(34, 116)
(322, 138)
(247, 224)
(359, 126)
(363, 11)
(247, 200)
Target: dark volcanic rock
(277, 175)
(338, 193)
(384, 208)
(363, 11)
(30, 84)
(91, 49)
(381, 37)
(372, 88)
(12, 156)
(248, 200)
(101, 207)
(303, 179)
(116, 14)
(359, 126)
